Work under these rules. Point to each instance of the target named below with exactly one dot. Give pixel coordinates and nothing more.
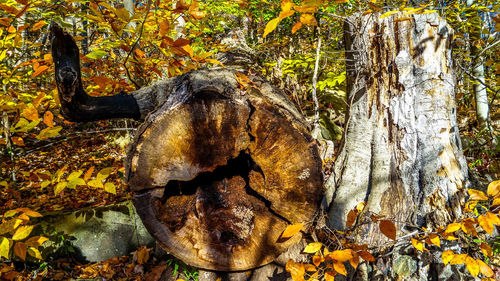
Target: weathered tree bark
(401, 152)
(218, 170)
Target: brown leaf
(142, 255)
(48, 119)
(351, 218)
(164, 27)
(486, 249)
(38, 25)
(388, 228)
(366, 256)
(181, 42)
(17, 141)
(20, 250)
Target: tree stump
(219, 172)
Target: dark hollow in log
(220, 172)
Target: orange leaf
(285, 14)
(22, 232)
(330, 275)
(496, 202)
(317, 260)
(30, 113)
(452, 227)
(181, 42)
(388, 228)
(270, 26)
(342, 255)
(492, 218)
(472, 266)
(310, 267)
(164, 27)
(39, 71)
(366, 256)
(38, 25)
(18, 141)
(9, 9)
(296, 27)
(36, 241)
(308, 19)
(493, 188)
(484, 268)
(340, 268)
(20, 249)
(486, 249)
(447, 256)
(142, 255)
(477, 195)
(355, 260)
(30, 212)
(435, 239)
(88, 173)
(291, 230)
(48, 119)
(419, 245)
(468, 227)
(485, 224)
(351, 217)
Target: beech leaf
(419, 245)
(313, 247)
(388, 228)
(270, 26)
(477, 195)
(22, 232)
(447, 256)
(493, 188)
(291, 230)
(20, 250)
(484, 268)
(472, 266)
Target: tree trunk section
(401, 151)
(219, 172)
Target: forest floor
(92, 148)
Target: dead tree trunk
(401, 152)
(218, 170)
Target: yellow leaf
(447, 256)
(31, 213)
(330, 275)
(485, 224)
(434, 238)
(30, 113)
(270, 26)
(313, 247)
(60, 187)
(388, 228)
(496, 202)
(452, 227)
(4, 247)
(95, 183)
(36, 241)
(10, 213)
(110, 187)
(48, 119)
(49, 132)
(74, 175)
(22, 232)
(493, 188)
(472, 266)
(20, 250)
(285, 14)
(310, 267)
(477, 195)
(287, 5)
(486, 249)
(340, 268)
(104, 173)
(296, 27)
(484, 268)
(342, 255)
(38, 25)
(388, 14)
(458, 259)
(32, 251)
(291, 230)
(419, 245)
(308, 19)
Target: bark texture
(220, 172)
(401, 152)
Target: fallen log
(219, 170)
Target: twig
(477, 79)
(315, 97)
(135, 44)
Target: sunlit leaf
(492, 218)
(22, 232)
(330, 275)
(493, 188)
(32, 251)
(95, 183)
(4, 247)
(477, 195)
(88, 173)
(291, 230)
(388, 14)
(38, 25)
(296, 27)
(484, 268)
(485, 224)
(452, 227)
(342, 255)
(30, 113)
(434, 238)
(110, 187)
(20, 250)
(458, 259)
(419, 245)
(388, 228)
(340, 268)
(447, 256)
(486, 249)
(308, 19)
(49, 132)
(31, 213)
(40, 70)
(164, 27)
(60, 187)
(104, 173)
(313, 247)
(96, 54)
(36, 241)
(472, 266)
(10, 213)
(285, 14)
(271, 25)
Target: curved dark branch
(76, 105)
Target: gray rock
(97, 234)
(404, 265)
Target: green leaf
(97, 54)
(74, 182)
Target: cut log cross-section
(218, 170)
(219, 175)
